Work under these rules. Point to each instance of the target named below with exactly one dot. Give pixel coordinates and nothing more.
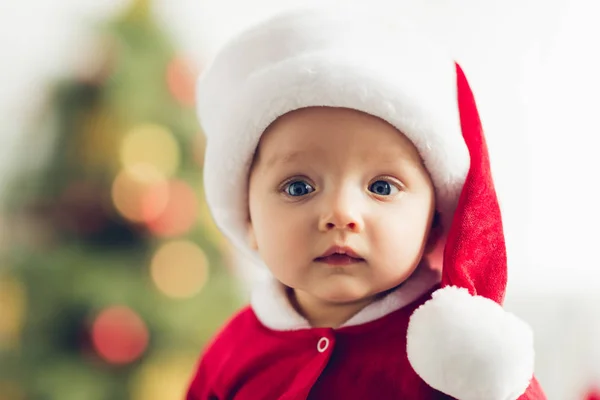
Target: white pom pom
(469, 347)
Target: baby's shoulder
(242, 328)
(219, 359)
(239, 326)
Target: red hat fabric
(475, 252)
(463, 328)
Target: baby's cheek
(390, 239)
(283, 247)
(398, 250)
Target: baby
(347, 157)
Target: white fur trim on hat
(469, 347)
(311, 58)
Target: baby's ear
(435, 234)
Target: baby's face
(327, 177)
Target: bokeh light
(592, 394)
(179, 269)
(12, 311)
(180, 213)
(165, 377)
(181, 81)
(119, 335)
(140, 193)
(151, 144)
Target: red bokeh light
(180, 213)
(181, 81)
(119, 335)
(593, 394)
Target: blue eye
(298, 188)
(382, 188)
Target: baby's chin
(347, 292)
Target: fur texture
(483, 353)
(273, 310)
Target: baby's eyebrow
(389, 157)
(384, 157)
(284, 158)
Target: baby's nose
(343, 213)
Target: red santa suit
(443, 333)
(281, 357)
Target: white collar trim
(273, 309)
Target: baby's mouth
(339, 259)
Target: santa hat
(461, 342)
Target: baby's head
(334, 180)
(324, 129)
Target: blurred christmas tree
(114, 276)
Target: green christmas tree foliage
(114, 276)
